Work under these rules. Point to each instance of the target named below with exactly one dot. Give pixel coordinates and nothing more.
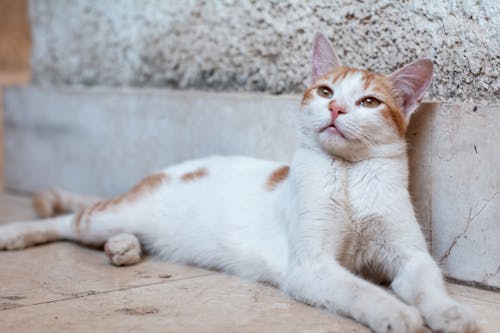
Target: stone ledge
(103, 140)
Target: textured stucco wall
(263, 45)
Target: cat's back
(225, 172)
(223, 186)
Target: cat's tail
(54, 202)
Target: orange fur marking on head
(190, 176)
(340, 73)
(369, 78)
(379, 85)
(308, 95)
(336, 72)
(277, 177)
(382, 86)
(396, 117)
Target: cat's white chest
(363, 235)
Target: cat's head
(357, 114)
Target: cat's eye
(325, 92)
(370, 102)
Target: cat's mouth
(332, 130)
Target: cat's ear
(324, 57)
(411, 82)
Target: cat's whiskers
(364, 137)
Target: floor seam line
(107, 291)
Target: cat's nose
(335, 110)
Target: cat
(324, 229)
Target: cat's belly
(220, 212)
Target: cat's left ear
(324, 57)
(411, 82)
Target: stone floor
(66, 287)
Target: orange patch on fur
(340, 73)
(396, 117)
(308, 95)
(148, 184)
(383, 87)
(77, 220)
(277, 177)
(190, 176)
(145, 186)
(369, 78)
(378, 84)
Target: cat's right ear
(324, 57)
(411, 82)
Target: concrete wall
(263, 45)
(102, 141)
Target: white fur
(338, 190)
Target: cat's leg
(90, 227)
(78, 228)
(123, 249)
(20, 235)
(327, 284)
(419, 282)
(54, 202)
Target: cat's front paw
(123, 249)
(452, 318)
(403, 318)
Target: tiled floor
(66, 287)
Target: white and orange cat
(319, 229)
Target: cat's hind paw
(123, 249)
(454, 318)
